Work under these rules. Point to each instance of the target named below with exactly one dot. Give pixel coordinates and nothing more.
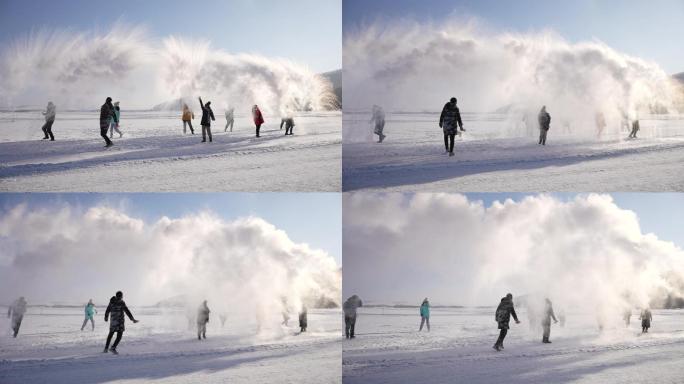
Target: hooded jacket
(107, 113)
(425, 309)
(257, 116)
(504, 312)
(351, 305)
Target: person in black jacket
(303, 319)
(107, 114)
(503, 316)
(207, 116)
(116, 308)
(349, 307)
(544, 125)
(450, 121)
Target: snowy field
(154, 155)
(160, 348)
(389, 349)
(499, 154)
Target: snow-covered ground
(389, 349)
(160, 348)
(154, 155)
(498, 154)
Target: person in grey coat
(646, 318)
(546, 320)
(16, 312)
(544, 125)
(303, 319)
(503, 316)
(378, 119)
(450, 121)
(202, 320)
(116, 309)
(230, 119)
(50, 114)
(635, 129)
(207, 116)
(349, 307)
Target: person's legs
(545, 132)
(45, 134)
(85, 321)
(258, 127)
(446, 142)
(204, 330)
(422, 321)
(103, 132)
(232, 121)
(185, 125)
(112, 125)
(109, 340)
(209, 133)
(119, 335)
(502, 336)
(427, 322)
(191, 129)
(352, 326)
(204, 133)
(451, 143)
(199, 329)
(49, 130)
(92, 322)
(541, 134)
(347, 325)
(547, 332)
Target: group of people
(110, 115)
(451, 123)
(208, 116)
(504, 311)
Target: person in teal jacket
(90, 312)
(114, 123)
(425, 315)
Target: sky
(647, 29)
(305, 31)
(399, 248)
(312, 218)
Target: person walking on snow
(546, 320)
(646, 318)
(258, 118)
(544, 124)
(117, 309)
(187, 118)
(114, 125)
(635, 129)
(450, 121)
(50, 114)
(289, 124)
(207, 116)
(378, 118)
(503, 317)
(90, 312)
(202, 320)
(106, 115)
(425, 315)
(230, 118)
(349, 307)
(16, 312)
(303, 320)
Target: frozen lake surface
(498, 154)
(160, 348)
(389, 349)
(155, 155)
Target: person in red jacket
(258, 118)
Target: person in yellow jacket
(187, 117)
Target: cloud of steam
(194, 68)
(585, 253)
(416, 67)
(80, 69)
(53, 64)
(68, 255)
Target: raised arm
(201, 103)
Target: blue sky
(313, 218)
(306, 31)
(649, 29)
(659, 213)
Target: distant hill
(335, 77)
(679, 77)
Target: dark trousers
(349, 323)
(47, 129)
(229, 123)
(502, 336)
(542, 136)
(449, 142)
(104, 128)
(16, 324)
(258, 127)
(547, 331)
(119, 335)
(206, 130)
(288, 128)
(185, 124)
